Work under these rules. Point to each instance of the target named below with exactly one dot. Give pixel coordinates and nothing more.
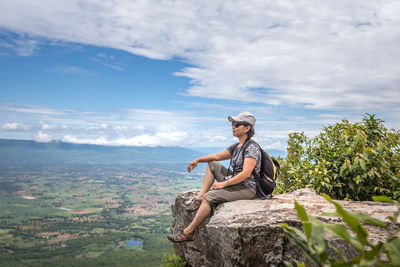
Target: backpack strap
(275, 170)
(259, 192)
(230, 162)
(277, 167)
(245, 146)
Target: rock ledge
(248, 232)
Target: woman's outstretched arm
(223, 155)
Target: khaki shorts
(229, 193)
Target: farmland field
(83, 214)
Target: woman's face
(240, 130)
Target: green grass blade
(392, 249)
(368, 219)
(382, 199)
(301, 212)
(351, 221)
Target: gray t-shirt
(252, 151)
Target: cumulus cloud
(120, 128)
(220, 138)
(15, 126)
(163, 136)
(10, 126)
(327, 55)
(51, 127)
(42, 137)
(102, 127)
(276, 145)
(73, 139)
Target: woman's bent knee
(205, 202)
(212, 165)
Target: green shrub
(172, 260)
(315, 247)
(347, 161)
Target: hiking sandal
(180, 236)
(194, 205)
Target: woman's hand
(219, 185)
(192, 165)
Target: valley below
(85, 214)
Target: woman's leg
(230, 193)
(201, 216)
(208, 181)
(214, 171)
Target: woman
(238, 185)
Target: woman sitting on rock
(237, 185)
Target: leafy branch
(314, 245)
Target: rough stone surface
(248, 232)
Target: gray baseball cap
(244, 117)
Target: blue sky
(88, 77)
(170, 73)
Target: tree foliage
(172, 260)
(347, 160)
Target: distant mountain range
(27, 151)
(211, 150)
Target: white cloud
(33, 127)
(335, 55)
(42, 137)
(26, 47)
(15, 126)
(50, 127)
(147, 127)
(220, 138)
(102, 127)
(120, 128)
(10, 126)
(73, 139)
(164, 135)
(70, 70)
(21, 44)
(5, 44)
(276, 145)
(31, 109)
(107, 61)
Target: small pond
(133, 242)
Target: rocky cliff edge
(248, 232)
